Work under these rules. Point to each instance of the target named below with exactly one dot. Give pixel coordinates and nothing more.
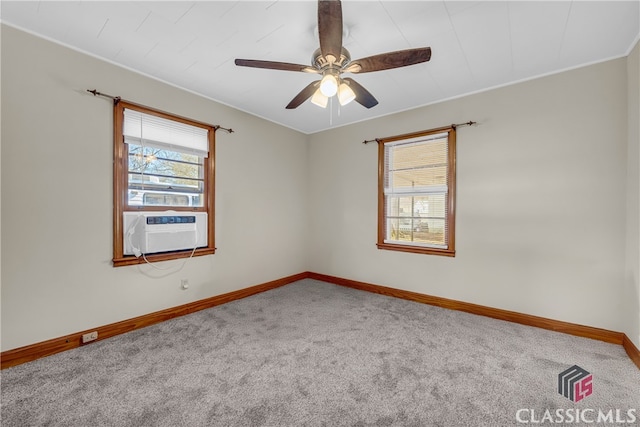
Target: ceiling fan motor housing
(321, 63)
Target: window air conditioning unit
(153, 232)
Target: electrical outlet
(91, 336)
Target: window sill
(417, 249)
(132, 260)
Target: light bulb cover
(329, 85)
(319, 99)
(345, 94)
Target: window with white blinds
(166, 161)
(162, 162)
(416, 192)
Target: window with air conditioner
(163, 185)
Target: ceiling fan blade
(363, 96)
(330, 28)
(386, 61)
(304, 94)
(272, 65)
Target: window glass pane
(418, 219)
(414, 155)
(160, 199)
(431, 206)
(416, 165)
(393, 228)
(406, 229)
(421, 177)
(425, 231)
(154, 182)
(164, 162)
(393, 206)
(405, 206)
(160, 177)
(430, 231)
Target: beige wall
(632, 270)
(57, 154)
(541, 202)
(546, 198)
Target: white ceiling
(475, 45)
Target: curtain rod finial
(228, 130)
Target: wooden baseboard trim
(47, 348)
(56, 345)
(632, 350)
(496, 313)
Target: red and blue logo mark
(575, 383)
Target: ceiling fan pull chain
(331, 111)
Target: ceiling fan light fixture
(332, 59)
(345, 94)
(329, 85)
(319, 99)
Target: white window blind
(153, 131)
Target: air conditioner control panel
(171, 219)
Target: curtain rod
(117, 99)
(469, 123)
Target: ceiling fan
(332, 59)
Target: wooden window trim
(120, 168)
(450, 251)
